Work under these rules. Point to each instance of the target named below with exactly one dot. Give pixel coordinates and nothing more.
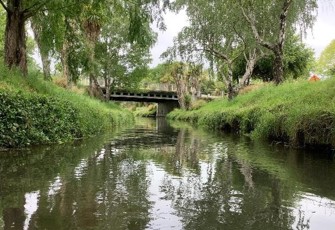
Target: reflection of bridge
(167, 101)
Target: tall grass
(34, 111)
(300, 113)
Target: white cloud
(324, 28)
(174, 23)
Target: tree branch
(255, 31)
(30, 11)
(4, 6)
(283, 17)
(218, 54)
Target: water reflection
(155, 176)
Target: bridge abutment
(164, 108)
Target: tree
(219, 41)
(186, 77)
(326, 62)
(44, 52)
(297, 60)
(18, 11)
(70, 20)
(271, 22)
(2, 31)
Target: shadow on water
(166, 176)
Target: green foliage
(188, 101)
(207, 86)
(300, 113)
(32, 119)
(147, 111)
(297, 62)
(198, 104)
(158, 74)
(37, 112)
(2, 32)
(326, 62)
(298, 58)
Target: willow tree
(61, 16)
(122, 63)
(92, 19)
(270, 22)
(216, 35)
(44, 51)
(50, 26)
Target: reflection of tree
(109, 191)
(211, 183)
(13, 218)
(110, 194)
(229, 194)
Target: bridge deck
(146, 97)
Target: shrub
(33, 111)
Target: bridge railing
(153, 95)
(159, 87)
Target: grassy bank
(300, 113)
(33, 112)
(146, 111)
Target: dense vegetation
(104, 40)
(108, 43)
(34, 111)
(300, 113)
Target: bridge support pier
(164, 108)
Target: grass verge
(299, 113)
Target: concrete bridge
(167, 101)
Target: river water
(157, 176)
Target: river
(160, 176)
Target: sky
(321, 35)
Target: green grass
(34, 111)
(146, 111)
(299, 113)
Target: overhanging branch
(4, 6)
(218, 54)
(33, 9)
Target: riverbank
(299, 113)
(34, 112)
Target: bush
(198, 104)
(33, 111)
(146, 111)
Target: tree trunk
(46, 66)
(107, 87)
(15, 39)
(43, 53)
(65, 65)
(249, 68)
(278, 66)
(181, 91)
(232, 92)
